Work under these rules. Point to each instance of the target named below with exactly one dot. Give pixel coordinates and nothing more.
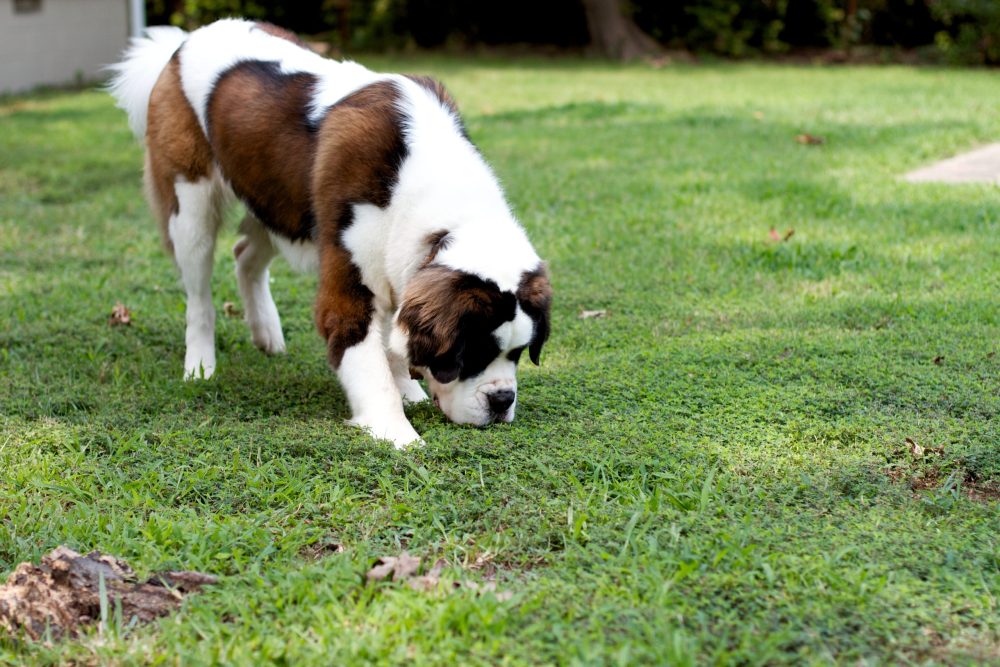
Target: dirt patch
(321, 549)
(69, 591)
(983, 493)
(930, 479)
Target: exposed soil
(321, 549)
(64, 594)
(930, 479)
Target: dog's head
(465, 336)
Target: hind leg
(254, 253)
(192, 231)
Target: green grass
(716, 472)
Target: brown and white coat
(367, 179)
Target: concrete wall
(63, 42)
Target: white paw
(198, 369)
(199, 348)
(410, 390)
(400, 433)
(267, 337)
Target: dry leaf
(431, 580)
(486, 587)
(229, 309)
(759, 115)
(777, 236)
(400, 567)
(915, 449)
(809, 139)
(485, 565)
(405, 567)
(120, 315)
(592, 314)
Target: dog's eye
(515, 354)
(445, 374)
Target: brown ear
(535, 296)
(438, 304)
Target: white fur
(468, 402)
(444, 184)
(366, 239)
(303, 256)
(376, 404)
(254, 253)
(193, 232)
(133, 78)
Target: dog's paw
(198, 364)
(400, 434)
(411, 391)
(267, 337)
(198, 371)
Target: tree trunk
(615, 35)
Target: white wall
(65, 41)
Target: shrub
(971, 34)
(965, 31)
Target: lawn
(767, 451)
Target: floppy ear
(535, 296)
(437, 302)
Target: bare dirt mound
(64, 593)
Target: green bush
(971, 34)
(965, 31)
(736, 29)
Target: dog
(371, 181)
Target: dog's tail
(133, 78)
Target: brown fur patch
(535, 296)
(449, 316)
(263, 142)
(344, 305)
(359, 150)
(434, 305)
(175, 146)
(437, 242)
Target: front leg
(348, 318)
(395, 349)
(376, 404)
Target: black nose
(500, 401)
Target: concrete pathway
(979, 166)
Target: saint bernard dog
(368, 179)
